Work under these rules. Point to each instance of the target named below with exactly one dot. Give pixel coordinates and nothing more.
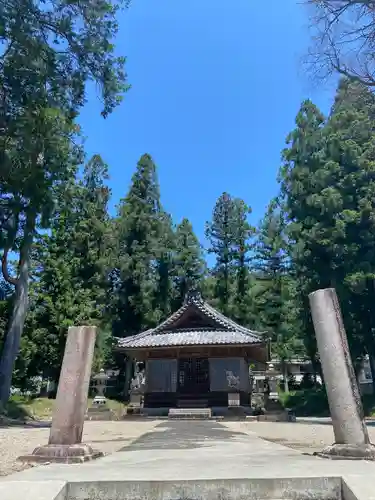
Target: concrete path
(195, 450)
(176, 451)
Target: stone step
(192, 403)
(190, 413)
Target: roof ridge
(230, 322)
(197, 301)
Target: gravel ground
(305, 437)
(107, 437)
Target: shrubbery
(306, 402)
(312, 402)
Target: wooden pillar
(128, 376)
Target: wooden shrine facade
(196, 358)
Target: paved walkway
(198, 451)
(195, 450)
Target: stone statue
(233, 381)
(138, 381)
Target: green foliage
(126, 274)
(72, 265)
(138, 231)
(276, 300)
(327, 191)
(228, 234)
(189, 266)
(49, 53)
(307, 402)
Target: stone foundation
(348, 452)
(60, 453)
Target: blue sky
(215, 89)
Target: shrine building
(196, 358)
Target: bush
(368, 401)
(312, 402)
(306, 402)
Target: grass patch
(27, 408)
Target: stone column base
(62, 453)
(348, 452)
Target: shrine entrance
(193, 376)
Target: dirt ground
(107, 437)
(305, 437)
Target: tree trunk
(17, 321)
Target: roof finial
(193, 295)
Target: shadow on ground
(326, 421)
(179, 435)
(6, 422)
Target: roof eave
(186, 346)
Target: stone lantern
(272, 376)
(100, 380)
(274, 410)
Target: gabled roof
(212, 328)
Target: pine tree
(48, 55)
(350, 137)
(189, 265)
(165, 245)
(276, 301)
(328, 192)
(220, 233)
(242, 234)
(71, 267)
(228, 234)
(137, 230)
(300, 185)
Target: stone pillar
(351, 436)
(65, 438)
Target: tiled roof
(223, 332)
(181, 337)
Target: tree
(32, 203)
(350, 134)
(243, 231)
(164, 249)
(276, 300)
(137, 229)
(189, 265)
(302, 181)
(49, 54)
(228, 234)
(72, 265)
(343, 34)
(221, 234)
(328, 191)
